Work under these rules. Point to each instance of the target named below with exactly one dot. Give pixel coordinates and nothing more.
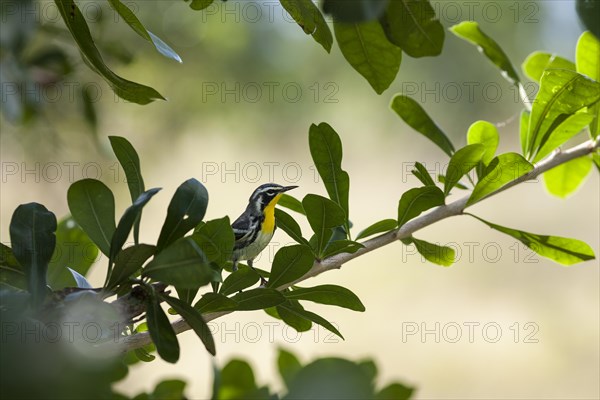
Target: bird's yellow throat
(269, 213)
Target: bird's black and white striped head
(264, 194)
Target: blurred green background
(238, 112)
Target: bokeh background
(500, 323)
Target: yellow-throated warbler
(254, 229)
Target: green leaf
(309, 18)
(32, 229)
(442, 179)
(92, 205)
(11, 272)
(503, 169)
(341, 246)
(566, 130)
(131, 20)
(130, 216)
(168, 390)
(237, 381)
(326, 151)
(291, 203)
(422, 174)
(354, 10)
(239, 280)
(200, 4)
(317, 319)
(216, 240)
(288, 365)
(523, 129)
(257, 299)
(323, 215)
(469, 31)
(537, 62)
(186, 210)
(395, 391)
(588, 63)
(589, 14)
(385, 225)
(563, 180)
(486, 134)
(129, 160)
(412, 26)
(564, 251)
(215, 302)
(73, 249)
(440, 255)
(88, 107)
(182, 264)
(289, 226)
(367, 49)
(331, 378)
(80, 31)
(413, 114)
(161, 331)
(290, 263)
(128, 262)
(463, 161)
(328, 294)
(415, 201)
(296, 321)
(562, 93)
(195, 320)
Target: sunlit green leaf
(563, 180)
(567, 129)
(440, 255)
(486, 134)
(413, 114)
(588, 63)
(537, 62)
(309, 18)
(415, 201)
(367, 49)
(463, 161)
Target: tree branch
(334, 262)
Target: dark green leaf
(486, 134)
(161, 331)
(88, 108)
(395, 391)
(537, 62)
(92, 205)
(216, 240)
(328, 294)
(168, 390)
(239, 280)
(326, 151)
(307, 15)
(412, 26)
(131, 20)
(128, 262)
(413, 114)
(11, 272)
(562, 93)
(469, 30)
(502, 169)
(563, 180)
(73, 249)
(415, 201)
(289, 264)
(378, 227)
(80, 31)
(237, 380)
(463, 161)
(354, 10)
(588, 63)
(565, 251)
(186, 295)
(186, 210)
(296, 321)
(289, 226)
(32, 229)
(367, 49)
(182, 264)
(257, 299)
(341, 246)
(422, 174)
(317, 319)
(129, 160)
(291, 203)
(589, 14)
(200, 4)
(80, 280)
(440, 255)
(370, 369)
(323, 215)
(195, 320)
(215, 302)
(331, 378)
(288, 366)
(126, 222)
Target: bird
(254, 229)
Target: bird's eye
(270, 192)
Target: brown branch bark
(455, 208)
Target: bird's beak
(286, 188)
